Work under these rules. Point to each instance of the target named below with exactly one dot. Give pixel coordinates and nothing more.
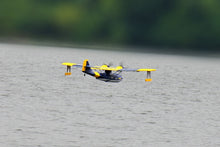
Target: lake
(40, 106)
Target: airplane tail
(86, 66)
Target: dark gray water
(39, 106)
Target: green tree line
(169, 23)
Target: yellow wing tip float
(148, 80)
(68, 73)
(104, 72)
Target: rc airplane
(104, 72)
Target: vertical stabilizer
(87, 69)
(85, 65)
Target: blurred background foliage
(161, 23)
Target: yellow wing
(69, 64)
(138, 70)
(105, 67)
(145, 70)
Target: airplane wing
(137, 70)
(72, 64)
(105, 67)
(120, 68)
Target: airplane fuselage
(110, 78)
(107, 77)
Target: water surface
(39, 106)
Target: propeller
(122, 64)
(110, 64)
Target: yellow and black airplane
(104, 72)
